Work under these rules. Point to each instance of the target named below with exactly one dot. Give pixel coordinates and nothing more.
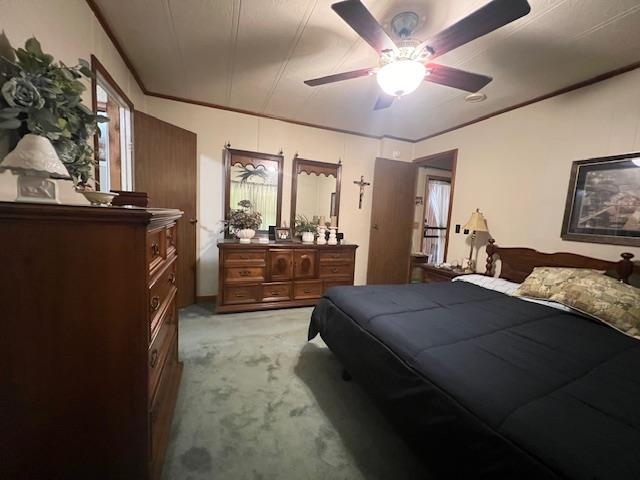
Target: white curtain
(436, 216)
(263, 197)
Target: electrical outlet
(465, 231)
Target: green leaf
(7, 113)
(102, 119)
(6, 50)
(86, 71)
(33, 46)
(10, 124)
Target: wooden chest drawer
(161, 291)
(171, 236)
(336, 283)
(307, 289)
(156, 248)
(241, 294)
(274, 292)
(244, 274)
(336, 256)
(160, 346)
(337, 271)
(245, 257)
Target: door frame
(447, 155)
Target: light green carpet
(258, 402)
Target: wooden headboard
(518, 263)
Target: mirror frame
(312, 166)
(246, 157)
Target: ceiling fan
(405, 64)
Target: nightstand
(433, 274)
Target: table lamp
(476, 223)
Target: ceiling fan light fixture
(401, 77)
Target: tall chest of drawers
(259, 276)
(90, 369)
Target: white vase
(245, 235)
(307, 237)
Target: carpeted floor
(259, 402)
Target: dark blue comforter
(560, 390)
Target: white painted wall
(515, 167)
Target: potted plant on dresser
(243, 222)
(43, 120)
(306, 228)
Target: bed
(484, 385)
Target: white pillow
(505, 286)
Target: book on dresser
(90, 369)
(259, 276)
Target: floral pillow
(545, 281)
(602, 297)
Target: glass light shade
(401, 77)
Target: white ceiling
(255, 54)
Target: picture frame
(283, 234)
(603, 201)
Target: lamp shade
(401, 77)
(35, 154)
(476, 223)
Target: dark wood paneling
(165, 167)
(392, 210)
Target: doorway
(114, 145)
(432, 215)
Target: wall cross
(361, 184)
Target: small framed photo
(283, 234)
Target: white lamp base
(37, 189)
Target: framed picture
(283, 234)
(603, 201)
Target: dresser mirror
(315, 190)
(256, 177)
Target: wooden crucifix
(361, 184)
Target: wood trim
(97, 67)
(228, 153)
(555, 93)
(322, 167)
(585, 83)
(423, 162)
(107, 29)
(207, 299)
(518, 263)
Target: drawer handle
(245, 273)
(335, 255)
(306, 290)
(275, 293)
(240, 295)
(155, 248)
(154, 358)
(155, 303)
(244, 257)
(172, 278)
(335, 270)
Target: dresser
(259, 276)
(89, 371)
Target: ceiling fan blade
(360, 19)
(384, 101)
(492, 16)
(452, 77)
(338, 77)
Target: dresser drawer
(160, 346)
(308, 289)
(274, 292)
(244, 274)
(156, 248)
(161, 291)
(336, 283)
(336, 256)
(171, 236)
(246, 257)
(241, 294)
(338, 271)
